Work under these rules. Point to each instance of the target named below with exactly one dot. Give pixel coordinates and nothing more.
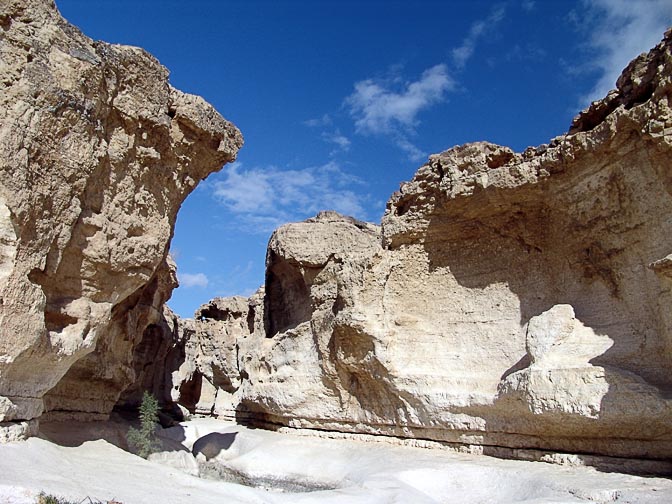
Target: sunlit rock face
(509, 300)
(97, 152)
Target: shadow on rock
(212, 444)
(73, 434)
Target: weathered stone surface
(17, 431)
(97, 152)
(209, 374)
(180, 460)
(511, 301)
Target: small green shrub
(143, 441)
(44, 498)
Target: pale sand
(362, 472)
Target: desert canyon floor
(292, 468)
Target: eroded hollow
(214, 470)
(287, 301)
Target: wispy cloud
(241, 280)
(392, 106)
(379, 109)
(465, 51)
(388, 107)
(189, 280)
(528, 5)
(330, 134)
(413, 152)
(527, 52)
(318, 122)
(335, 137)
(621, 30)
(264, 198)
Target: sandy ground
(348, 471)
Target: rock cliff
(510, 303)
(97, 152)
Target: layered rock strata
(97, 152)
(516, 301)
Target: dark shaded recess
(213, 312)
(222, 381)
(91, 369)
(251, 414)
(157, 355)
(498, 159)
(593, 116)
(153, 348)
(190, 391)
(251, 315)
(287, 300)
(641, 95)
(57, 321)
(339, 304)
(403, 205)
(5, 22)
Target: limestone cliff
(509, 301)
(97, 152)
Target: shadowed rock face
(509, 301)
(97, 152)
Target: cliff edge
(97, 152)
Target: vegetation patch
(143, 440)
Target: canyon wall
(97, 153)
(509, 301)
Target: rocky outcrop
(511, 302)
(97, 152)
(209, 374)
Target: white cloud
(528, 5)
(264, 198)
(621, 30)
(378, 109)
(465, 51)
(318, 122)
(414, 153)
(192, 280)
(391, 107)
(336, 138)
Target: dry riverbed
(284, 468)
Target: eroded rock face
(97, 152)
(509, 301)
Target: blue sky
(340, 101)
